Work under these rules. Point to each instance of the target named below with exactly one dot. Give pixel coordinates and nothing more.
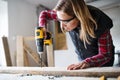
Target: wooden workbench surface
(62, 71)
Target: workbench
(58, 73)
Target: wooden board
(6, 50)
(62, 71)
(33, 55)
(50, 55)
(20, 51)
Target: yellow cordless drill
(39, 37)
(41, 40)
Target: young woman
(89, 29)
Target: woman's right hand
(81, 65)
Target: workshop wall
(22, 20)
(114, 13)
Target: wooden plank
(7, 52)
(50, 55)
(62, 71)
(26, 60)
(33, 55)
(20, 51)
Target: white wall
(22, 20)
(114, 13)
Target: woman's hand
(81, 65)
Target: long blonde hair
(79, 9)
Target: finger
(70, 67)
(80, 66)
(85, 65)
(77, 66)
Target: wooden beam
(26, 60)
(6, 50)
(33, 55)
(62, 71)
(20, 51)
(50, 55)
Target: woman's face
(67, 22)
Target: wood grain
(62, 71)
(6, 51)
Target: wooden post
(6, 51)
(20, 51)
(50, 55)
(26, 60)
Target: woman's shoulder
(93, 8)
(95, 12)
(98, 14)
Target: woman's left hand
(81, 65)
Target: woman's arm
(46, 15)
(105, 51)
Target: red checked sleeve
(46, 15)
(105, 53)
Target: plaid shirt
(104, 42)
